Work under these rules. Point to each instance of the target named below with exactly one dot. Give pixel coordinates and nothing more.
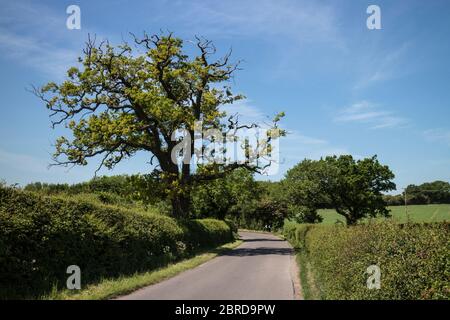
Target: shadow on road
(244, 252)
(261, 239)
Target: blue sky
(345, 89)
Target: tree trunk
(351, 220)
(180, 206)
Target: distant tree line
(237, 196)
(436, 192)
(354, 188)
(120, 185)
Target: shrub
(233, 226)
(206, 232)
(413, 258)
(266, 214)
(41, 236)
(296, 234)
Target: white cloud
(42, 56)
(36, 36)
(246, 111)
(298, 138)
(22, 162)
(298, 147)
(378, 66)
(295, 146)
(371, 114)
(29, 35)
(304, 21)
(439, 135)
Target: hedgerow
(40, 236)
(414, 259)
(206, 232)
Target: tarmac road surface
(262, 268)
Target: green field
(416, 213)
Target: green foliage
(305, 214)
(428, 193)
(245, 202)
(269, 211)
(268, 214)
(272, 206)
(148, 188)
(124, 191)
(119, 185)
(40, 236)
(120, 101)
(353, 188)
(303, 185)
(413, 258)
(436, 192)
(202, 233)
(394, 200)
(233, 226)
(232, 195)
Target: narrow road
(263, 267)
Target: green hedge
(206, 232)
(41, 236)
(414, 259)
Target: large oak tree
(124, 99)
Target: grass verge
(255, 231)
(308, 285)
(110, 288)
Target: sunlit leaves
(122, 99)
